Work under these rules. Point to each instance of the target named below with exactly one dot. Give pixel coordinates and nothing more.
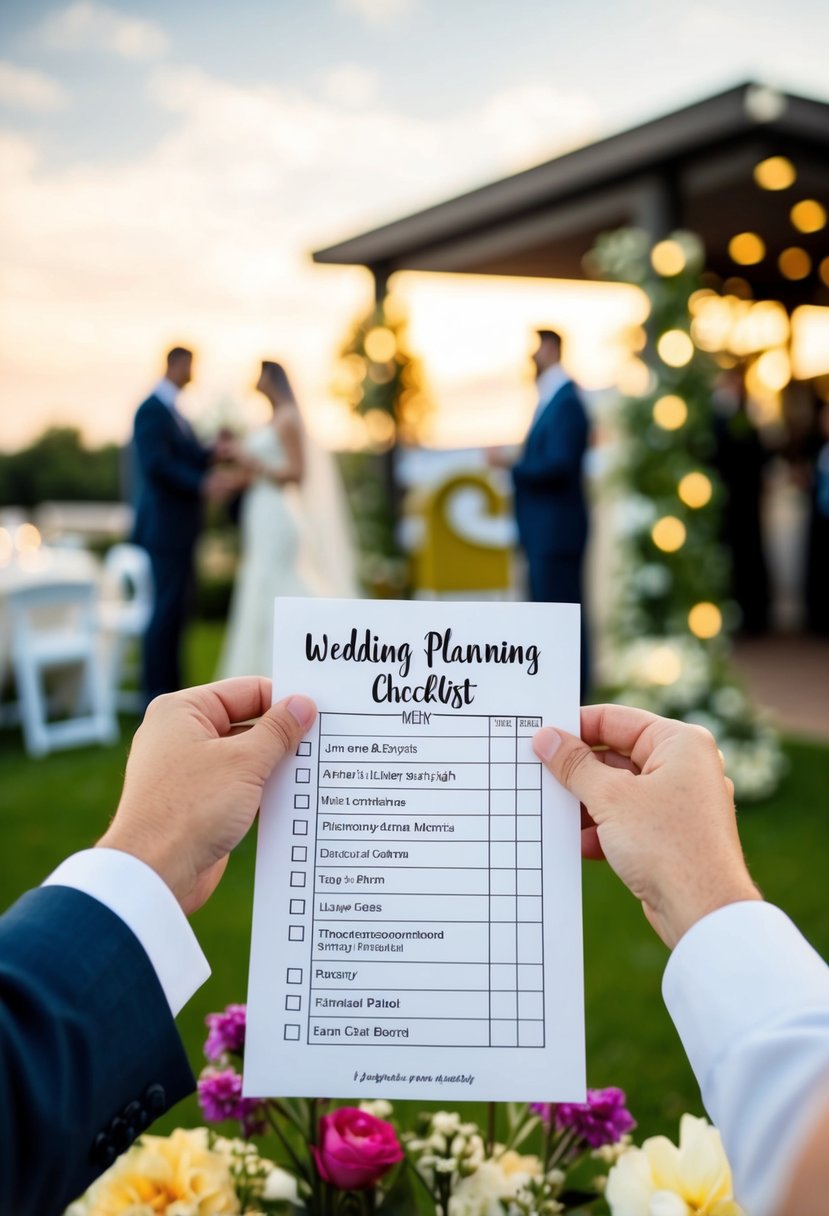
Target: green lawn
(62, 803)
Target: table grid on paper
(423, 869)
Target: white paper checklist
(417, 911)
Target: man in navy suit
(96, 963)
(550, 508)
(173, 478)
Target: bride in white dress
(275, 460)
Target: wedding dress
(295, 540)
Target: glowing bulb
(634, 378)
(381, 345)
(670, 412)
(668, 534)
(705, 620)
(794, 263)
(675, 348)
(26, 538)
(695, 490)
(774, 370)
(380, 428)
(775, 173)
(746, 248)
(663, 665)
(668, 258)
(808, 215)
(824, 271)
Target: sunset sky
(167, 165)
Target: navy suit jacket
(89, 1052)
(170, 467)
(550, 509)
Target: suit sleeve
(157, 457)
(89, 1051)
(554, 457)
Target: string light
(705, 620)
(380, 344)
(695, 490)
(824, 271)
(670, 412)
(794, 263)
(746, 249)
(380, 428)
(668, 258)
(26, 538)
(774, 370)
(775, 173)
(808, 215)
(675, 348)
(668, 534)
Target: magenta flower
(602, 1119)
(220, 1097)
(227, 1032)
(355, 1149)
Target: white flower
(279, 1184)
(379, 1107)
(446, 1122)
(661, 1179)
(498, 1178)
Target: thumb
(279, 730)
(574, 766)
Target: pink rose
(355, 1149)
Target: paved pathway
(789, 675)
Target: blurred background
(390, 197)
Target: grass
(63, 802)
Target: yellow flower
(661, 1179)
(498, 1178)
(176, 1175)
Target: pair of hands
(655, 801)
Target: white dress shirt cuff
(143, 901)
(750, 999)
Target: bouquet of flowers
(331, 1160)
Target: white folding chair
(54, 628)
(124, 620)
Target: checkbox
(299, 853)
(303, 776)
(297, 907)
(296, 933)
(291, 1032)
(297, 878)
(293, 1004)
(304, 748)
(294, 975)
(300, 827)
(301, 802)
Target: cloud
(376, 12)
(350, 85)
(87, 26)
(205, 237)
(30, 89)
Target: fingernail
(302, 710)
(546, 743)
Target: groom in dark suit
(550, 508)
(174, 478)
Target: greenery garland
(669, 646)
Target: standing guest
(741, 459)
(550, 507)
(174, 478)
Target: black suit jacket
(170, 466)
(550, 509)
(89, 1052)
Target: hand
(658, 806)
(500, 458)
(221, 484)
(194, 779)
